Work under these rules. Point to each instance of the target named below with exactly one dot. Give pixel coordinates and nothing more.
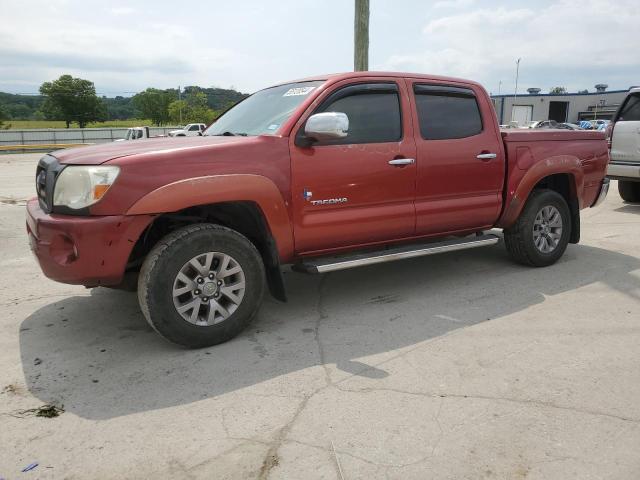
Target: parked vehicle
(568, 126)
(191, 130)
(599, 124)
(624, 136)
(541, 124)
(324, 174)
(547, 124)
(531, 124)
(135, 133)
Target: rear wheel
(201, 285)
(541, 234)
(629, 191)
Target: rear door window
(446, 112)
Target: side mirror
(327, 126)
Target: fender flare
(212, 189)
(561, 164)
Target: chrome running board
(331, 264)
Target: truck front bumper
(623, 171)
(83, 250)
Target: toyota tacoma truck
(321, 174)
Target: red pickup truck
(324, 174)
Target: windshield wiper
(231, 134)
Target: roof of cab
(336, 77)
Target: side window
(373, 111)
(193, 128)
(631, 110)
(447, 112)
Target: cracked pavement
(455, 366)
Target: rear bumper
(602, 194)
(623, 171)
(88, 250)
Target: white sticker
(273, 126)
(292, 92)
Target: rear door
(350, 192)
(461, 162)
(625, 142)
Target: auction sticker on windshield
(293, 92)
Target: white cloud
(109, 53)
(453, 3)
(572, 43)
(122, 10)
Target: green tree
(558, 91)
(3, 116)
(154, 104)
(193, 109)
(72, 100)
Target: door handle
(486, 156)
(398, 162)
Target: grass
(24, 124)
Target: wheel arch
(249, 204)
(562, 174)
(244, 217)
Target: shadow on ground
(629, 208)
(96, 355)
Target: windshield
(264, 111)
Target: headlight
(80, 186)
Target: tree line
(74, 100)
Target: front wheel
(629, 191)
(201, 285)
(541, 234)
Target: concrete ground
(457, 366)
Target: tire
(520, 238)
(169, 269)
(629, 191)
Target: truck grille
(46, 173)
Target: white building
(568, 107)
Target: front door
(351, 192)
(625, 143)
(461, 163)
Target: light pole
(515, 93)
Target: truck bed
(582, 152)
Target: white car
(624, 137)
(191, 130)
(135, 133)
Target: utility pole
(515, 92)
(361, 36)
(180, 103)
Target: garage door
(522, 114)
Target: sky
(125, 47)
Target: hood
(97, 154)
